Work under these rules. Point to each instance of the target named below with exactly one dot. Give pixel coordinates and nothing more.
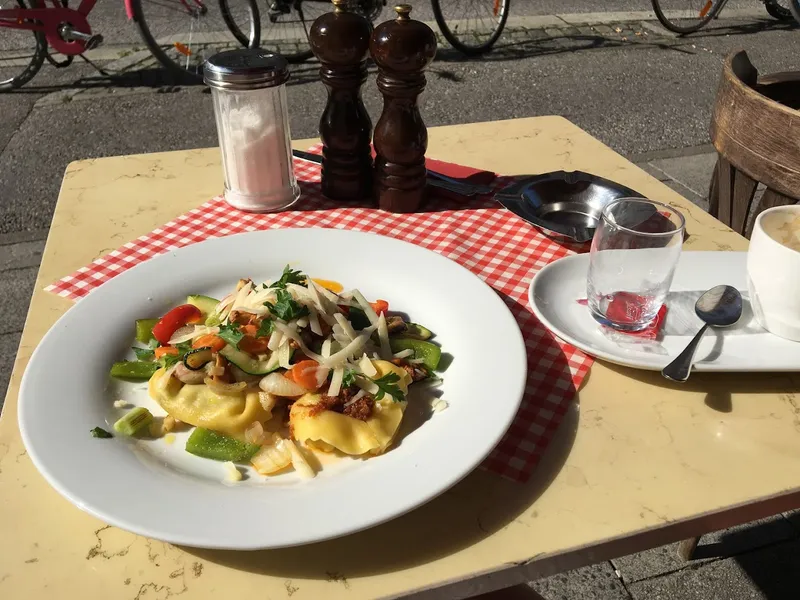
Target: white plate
(158, 490)
(556, 289)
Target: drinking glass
(634, 253)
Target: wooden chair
(756, 131)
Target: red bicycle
(180, 34)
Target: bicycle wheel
(182, 34)
(779, 9)
(471, 26)
(22, 52)
(686, 16)
(794, 5)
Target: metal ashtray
(563, 204)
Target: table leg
(687, 547)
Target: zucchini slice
(194, 360)
(248, 364)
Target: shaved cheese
(353, 348)
(345, 325)
(328, 294)
(404, 353)
(253, 310)
(336, 382)
(383, 336)
(368, 386)
(326, 347)
(275, 340)
(341, 339)
(366, 366)
(321, 375)
(438, 405)
(335, 360)
(232, 474)
(313, 320)
(258, 297)
(287, 331)
(299, 462)
(302, 322)
(366, 307)
(358, 396)
(225, 302)
(284, 354)
(242, 294)
(324, 299)
(414, 361)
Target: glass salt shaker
(249, 94)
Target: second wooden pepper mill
(402, 49)
(340, 40)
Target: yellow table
(638, 462)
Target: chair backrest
(757, 138)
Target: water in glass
(634, 253)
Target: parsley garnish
(99, 432)
(169, 360)
(289, 276)
(143, 354)
(231, 334)
(386, 385)
(349, 378)
(265, 329)
(286, 308)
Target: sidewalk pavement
(756, 561)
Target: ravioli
(347, 434)
(200, 406)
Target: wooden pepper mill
(402, 49)
(340, 40)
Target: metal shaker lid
(245, 69)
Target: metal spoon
(720, 306)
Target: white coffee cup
(773, 271)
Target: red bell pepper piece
(174, 320)
(379, 306)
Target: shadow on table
(718, 387)
(474, 509)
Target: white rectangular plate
(555, 291)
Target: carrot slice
(210, 340)
(164, 350)
(304, 373)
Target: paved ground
(637, 88)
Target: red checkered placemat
(487, 239)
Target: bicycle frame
(49, 20)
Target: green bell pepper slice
(429, 353)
